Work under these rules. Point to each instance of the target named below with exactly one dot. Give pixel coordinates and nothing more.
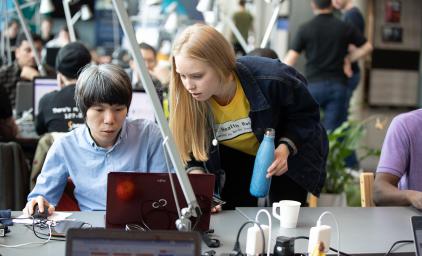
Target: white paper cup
(287, 212)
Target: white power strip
(321, 233)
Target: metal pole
(270, 26)
(69, 22)
(29, 38)
(193, 206)
(3, 35)
(116, 33)
(6, 39)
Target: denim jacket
(279, 99)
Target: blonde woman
(220, 108)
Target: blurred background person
(24, 67)
(325, 41)
(149, 55)
(46, 29)
(10, 33)
(353, 16)
(61, 39)
(243, 20)
(57, 110)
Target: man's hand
(41, 201)
(28, 73)
(279, 166)
(347, 68)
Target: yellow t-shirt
(233, 126)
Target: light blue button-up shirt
(76, 155)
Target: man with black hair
(24, 67)
(107, 142)
(57, 110)
(325, 40)
(149, 54)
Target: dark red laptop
(147, 200)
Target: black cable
(42, 224)
(396, 243)
(198, 218)
(346, 254)
(237, 243)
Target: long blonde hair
(189, 118)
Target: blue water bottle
(260, 184)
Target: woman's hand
(279, 166)
(216, 209)
(41, 202)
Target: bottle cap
(270, 132)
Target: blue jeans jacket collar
(251, 88)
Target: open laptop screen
(141, 106)
(90, 242)
(24, 97)
(42, 86)
(147, 200)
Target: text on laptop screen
(97, 247)
(141, 107)
(43, 86)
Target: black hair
(106, 83)
(263, 52)
(22, 37)
(11, 22)
(145, 46)
(322, 4)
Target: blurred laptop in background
(24, 97)
(141, 106)
(42, 86)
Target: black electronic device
(40, 215)
(417, 233)
(216, 201)
(284, 246)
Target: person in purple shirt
(398, 179)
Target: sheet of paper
(56, 216)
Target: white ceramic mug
(289, 213)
